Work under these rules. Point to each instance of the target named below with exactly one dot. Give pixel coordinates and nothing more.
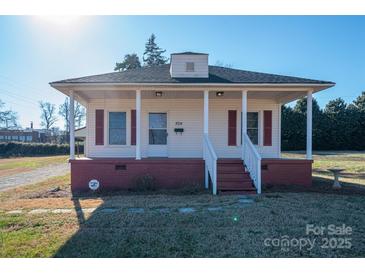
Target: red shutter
(99, 127)
(267, 127)
(232, 127)
(133, 127)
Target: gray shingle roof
(217, 75)
(189, 53)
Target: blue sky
(37, 50)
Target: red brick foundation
(286, 172)
(121, 174)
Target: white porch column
(138, 125)
(309, 125)
(206, 111)
(72, 125)
(244, 119)
(206, 130)
(279, 148)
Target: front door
(157, 131)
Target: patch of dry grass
(234, 232)
(13, 195)
(352, 162)
(10, 166)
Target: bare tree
(64, 111)
(8, 118)
(48, 114)
(220, 63)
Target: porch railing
(252, 161)
(210, 158)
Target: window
(190, 66)
(117, 128)
(252, 127)
(14, 138)
(29, 138)
(157, 128)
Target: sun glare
(61, 20)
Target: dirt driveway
(33, 176)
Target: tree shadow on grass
(349, 175)
(320, 185)
(118, 229)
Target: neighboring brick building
(26, 135)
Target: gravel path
(34, 176)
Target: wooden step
(237, 189)
(229, 161)
(235, 185)
(234, 176)
(247, 183)
(230, 168)
(237, 192)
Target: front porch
(192, 132)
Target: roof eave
(64, 84)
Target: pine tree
(356, 125)
(152, 55)
(130, 61)
(336, 121)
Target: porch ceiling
(171, 94)
(280, 94)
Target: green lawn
(352, 162)
(236, 231)
(9, 166)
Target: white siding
(107, 150)
(218, 126)
(178, 65)
(190, 113)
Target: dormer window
(190, 67)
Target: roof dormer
(189, 65)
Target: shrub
(17, 149)
(190, 187)
(145, 183)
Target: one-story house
(187, 123)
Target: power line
(16, 84)
(18, 97)
(20, 104)
(15, 94)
